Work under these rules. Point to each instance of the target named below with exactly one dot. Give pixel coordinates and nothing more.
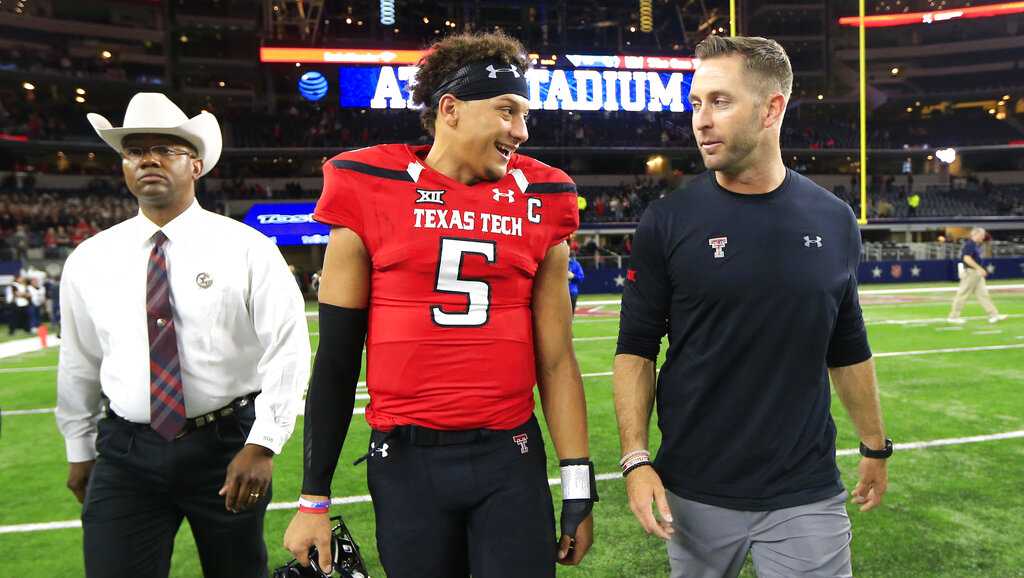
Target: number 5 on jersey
(477, 291)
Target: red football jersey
(450, 342)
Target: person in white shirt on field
(184, 357)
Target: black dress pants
(141, 488)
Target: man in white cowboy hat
(179, 382)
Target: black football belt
(345, 558)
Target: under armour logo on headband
(493, 72)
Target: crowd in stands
(967, 197)
(56, 222)
(623, 203)
(305, 125)
(56, 61)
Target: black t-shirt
(758, 295)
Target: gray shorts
(712, 542)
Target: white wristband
(576, 482)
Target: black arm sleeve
(332, 394)
(647, 295)
(849, 342)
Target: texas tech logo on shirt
(718, 244)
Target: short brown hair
(766, 58)
(454, 52)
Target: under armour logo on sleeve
(510, 196)
(812, 241)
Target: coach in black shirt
(751, 270)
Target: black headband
(481, 80)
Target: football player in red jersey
(450, 259)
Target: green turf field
(952, 511)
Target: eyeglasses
(135, 154)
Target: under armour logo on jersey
(812, 241)
(382, 451)
(718, 244)
(431, 197)
(493, 72)
(521, 440)
(510, 196)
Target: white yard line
(28, 369)
(6, 413)
(951, 350)
(926, 321)
(26, 345)
(860, 292)
(362, 499)
(363, 396)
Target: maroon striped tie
(166, 401)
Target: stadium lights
(646, 16)
(28, 86)
(387, 12)
(909, 18)
(632, 28)
(821, 97)
(895, 70)
(947, 155)
(106, 54)
(183, 39)
(80, 100)
(80, 91)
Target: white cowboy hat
(154, 113)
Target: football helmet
(345, 558)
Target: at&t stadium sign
(381, 79)
(550, 89)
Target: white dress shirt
(240, 322)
